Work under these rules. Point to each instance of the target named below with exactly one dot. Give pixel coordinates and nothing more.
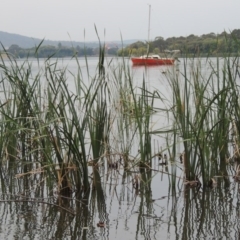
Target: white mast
(149, 17)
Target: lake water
(117, 210)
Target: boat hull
(151, 61)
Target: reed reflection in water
(116, 208)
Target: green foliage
(205, 45)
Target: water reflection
(115, 208)
(122, 202)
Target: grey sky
(67, 20)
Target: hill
(8, 39)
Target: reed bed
(50, 131)
(204, 110)
(63, 149)
(64, 135)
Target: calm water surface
(116, 210)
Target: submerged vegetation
(56, 140)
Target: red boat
(152, 60)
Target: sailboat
(154, 59)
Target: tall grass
(45, 123)
(54, 130)
(46, 126)
(204, 106)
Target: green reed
(143, 109)
(46, 126)
(204, 106)
(49, 128)
(123, 124)
(43, 124)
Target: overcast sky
(75, 19)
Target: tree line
(207, 44)
(58, 52)
(50, 51)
